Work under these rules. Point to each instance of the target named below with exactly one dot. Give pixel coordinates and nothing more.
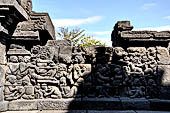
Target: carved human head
(26, 81)
(63, 81)
(27, 59)
(13, 59)
(11, 78)
(20, 58)
(62, 67)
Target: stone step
(86, 111)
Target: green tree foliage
(78, 37)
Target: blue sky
(98, 17)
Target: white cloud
(167, 17)
(75, 22)
(148, 6)
(103, 33)
(161, 28)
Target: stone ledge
(87, 104)
(135, 104)
(14, 3)
(3, 106)
(22, 105)
(159, 104)
(63, 111)
(87, 111)
(111, 111)
(60, 104)
(101, 103)
(145, 35)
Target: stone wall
(41, 73)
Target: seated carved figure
(13, 66)
(66, 91)
(51, 91)
(12, 90)
(29, 89)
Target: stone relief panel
(37, 76)
(95, 72)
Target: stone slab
(44, 23)
(60, 104)
(2, 53)
(113, 111)
(1, 93)
(20, 112)
(152, 112)
(67, 50)
(14, 3)
(3, 106)
(159, 104)
(59, 43)
(145, 34)
(18, 52)
(62, 111)
(2, 74)
(22, 105)
(135, 104)
(101, 103)
(26, 35)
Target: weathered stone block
(22, 105)
(135, 104)
(26, 35)
(65, 54)
(123, 26)
(137, 34)
(67, 50)
(3, 106)
(1, 94)
(163, 56)
(16, 8)
(60, 104)
(2, 75)
(2, 53)
(59, 43)
(164, 75)
(158, 104)
(165, 34)
(101, 103)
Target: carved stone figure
(12, 90)
(51, 92)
